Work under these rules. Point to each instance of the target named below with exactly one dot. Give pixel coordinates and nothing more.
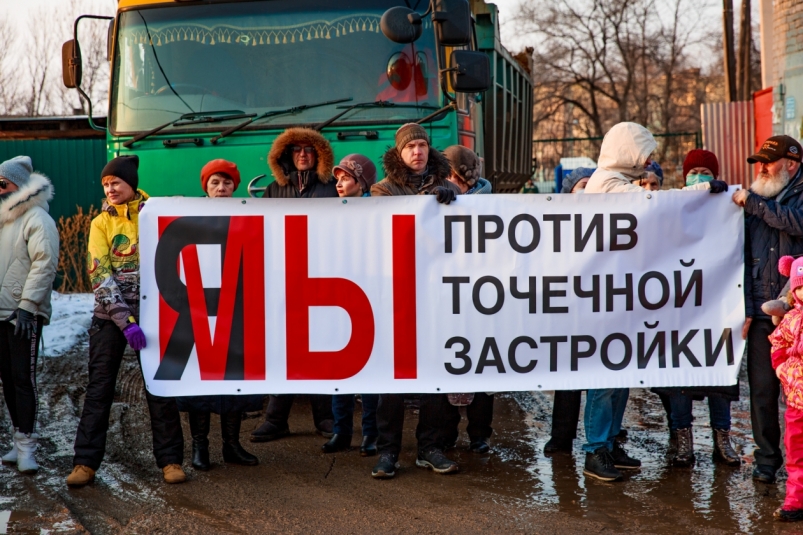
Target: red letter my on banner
(302, 292)
(244, 255)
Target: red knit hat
(701, 158)
(220, 166)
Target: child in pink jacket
(787, 355)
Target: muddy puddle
(297, 489)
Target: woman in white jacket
(29, 255)
(626, 150)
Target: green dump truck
(195, 80)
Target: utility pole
(730, 63)
(744, 68)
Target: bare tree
(599, 62)
(37, 65)
(9, 72)
(611, 60)
(39, 90)
(92, 37)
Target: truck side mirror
(469, 72)
(401, 25)
(452, 22)
(71, 71)
(110, 41)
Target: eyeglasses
(308, 149)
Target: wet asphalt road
(297, 489)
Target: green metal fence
(73, 165)
(671, 151)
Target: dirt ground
(297, 489)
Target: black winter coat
(773, 228)
(315, 188)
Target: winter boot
(368, 446)
(386, 467)
(338, 442)
(269, 431)
(673, 443)
(325, 428)
(199, 429)
(435, 459)
(81, 475)
(622, 460)
(173, 473)
(11, 456)
(27, 445)
(684, 457)
(556, 445)
(723, 449)
(479, 445)
(233, 452)
(599, 465)
(792, 515)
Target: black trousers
(437, 419)
(106, 346)
(278, 411)
(566, 415)
(667, 408)
(480, 415)
(18, 373)
(764, 391)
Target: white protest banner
(490, 293)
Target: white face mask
(692, 179)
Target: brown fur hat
(280, 158)
(465, 163)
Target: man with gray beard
(773, 208)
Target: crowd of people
(302, 163)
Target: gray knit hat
(407, 133)
(574, 177)
(17, 170)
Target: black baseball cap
(778, 147)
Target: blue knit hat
(17, 170)
(574, 177)
(655, 168)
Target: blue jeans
(343, 411)
(719, 410)
(605, 409)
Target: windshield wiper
(193, 118)
(294, 109)
(449, 107)
(376, 104)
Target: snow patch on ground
(71, 318)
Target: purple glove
(135, 337)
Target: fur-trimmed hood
(37, 192)
(398, 174)
(281, 161)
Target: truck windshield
(260, 56)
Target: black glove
(26, 323)
(443, 194)
(718, 186)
